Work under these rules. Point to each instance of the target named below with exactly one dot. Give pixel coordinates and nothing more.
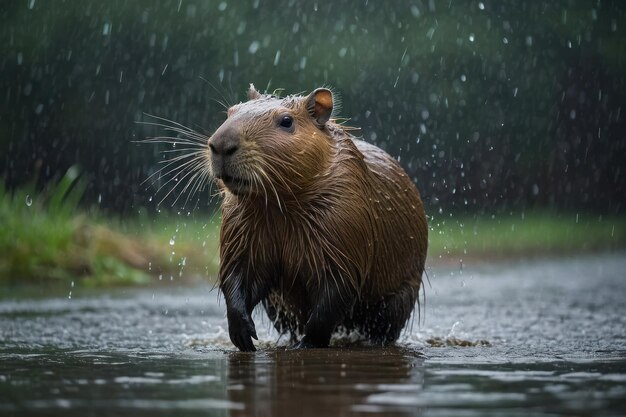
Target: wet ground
(556, 333)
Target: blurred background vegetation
(507, 115)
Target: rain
(507, 117)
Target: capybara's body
(325, 230)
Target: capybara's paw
(241, 330)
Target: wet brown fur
(321, 215)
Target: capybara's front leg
(241, 298)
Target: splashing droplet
(29, 200)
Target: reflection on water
(556, 337)
(321, 382)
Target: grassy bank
(45, 239)
(535, 233)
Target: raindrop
(39, 108)
(535, 189)
(172, 241)
(29, 200)
(31, 4)
(222, 6)
(572, 114)
(106, 29)
(254, 46)
(529, 40)
(20, 58)
(471, 37)
(454, 326)
(481, 5)
(505, 40)
(463, 77)
(191, 11)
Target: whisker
(193, 136)
(256, 175)
(192, 180)
(178, 182)
(172, 158)
(173, 123)
(193, 183)
(262, 171)
(225, 102)
(171, 162)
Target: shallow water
(556, 333)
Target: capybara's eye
(286, 122)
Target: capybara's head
(271, 145)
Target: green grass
(534, 233)
(45, 239)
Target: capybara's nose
(224, 144)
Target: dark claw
(241, 330)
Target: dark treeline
(492, 105)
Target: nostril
(224, 143)
(228, 151)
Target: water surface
(549, 339)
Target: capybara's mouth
(235, 184)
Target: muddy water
(547, 338)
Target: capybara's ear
(252, 93)
(320, 105)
